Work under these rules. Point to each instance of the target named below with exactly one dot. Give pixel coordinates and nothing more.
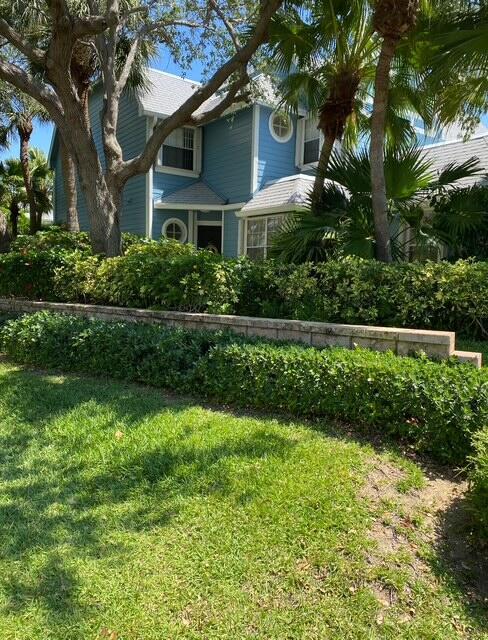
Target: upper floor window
(280, 126)
(180, 152)
(311, 141)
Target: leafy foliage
(479, 479)
(168, 275)
(343, 223)
(436, 407)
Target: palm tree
(42, 183)
(18, 114)
(345, 224)
(13, 195)
(392, 20)
(328, 57)
(455, 43)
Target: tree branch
(232, 96)
(34, 55)
(227, 23)
(23, 81)
(143, 162)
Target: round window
(281, 126)
(175, 229)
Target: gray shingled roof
(166, 93)
(286, 193)
(444, 153)
(196, 194)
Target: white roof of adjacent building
(285, 194)
(443, 153)
(197, 193)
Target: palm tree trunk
(377, 150)
(25, 132)
(70, 191)
(324, 159)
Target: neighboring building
(227, 184)
(444, 153)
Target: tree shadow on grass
(461, 560)
(52, 517)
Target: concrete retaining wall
(436, 344)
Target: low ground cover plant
(169, 275)
(440, 409)
(435, 406)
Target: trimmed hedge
(479, 480)
(435, 407)
(168, 275)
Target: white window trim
(259, 217)
(300, 148)
(197, 158)
(183, 226)
(272, 131)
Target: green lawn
(127, 515)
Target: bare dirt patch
(434, 517)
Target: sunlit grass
(127, 515)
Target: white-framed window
(180, 153)
(175, 229)
(280, 126)
(311, 141)
(259, 234)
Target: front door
(210, 237)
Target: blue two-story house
(227, 184)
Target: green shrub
(52, 238)
(479, 481)
(156, 277)
(154, 355)
(170, 275)
(30, 274)
(435, 407)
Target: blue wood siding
(226, 159)
(132, 136)
(231, 234)
(165, 183)
(160, 216)
(275, 159)
(209, 216)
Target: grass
(130, 516)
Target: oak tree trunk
(377, 150)
(14, 218)
(324, 159)
(25, 133)
(4, 234)
(103, 201)
(70, 190)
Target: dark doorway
(210, 237)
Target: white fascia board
(282, 208)
(199, 207)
